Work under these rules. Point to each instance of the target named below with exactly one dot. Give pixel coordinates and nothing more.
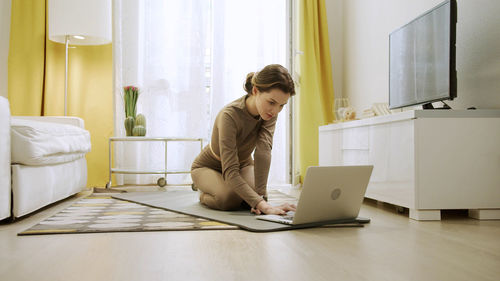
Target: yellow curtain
(26, 57)
(36, 81)
(315, 99)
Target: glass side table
(161, 181)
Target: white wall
(366, 25)
(4, 44)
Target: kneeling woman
(224, 172)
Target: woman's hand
(265, 208)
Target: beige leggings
(214, 192)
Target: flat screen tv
(422, 59)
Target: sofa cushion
(42, 143)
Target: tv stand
(430, 106)
(424, 160)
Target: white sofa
(42, 160)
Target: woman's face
(270, 103)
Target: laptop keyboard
(288, 216)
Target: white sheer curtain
(248, 35)
(190, 58)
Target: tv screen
(422, 59)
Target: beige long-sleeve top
(236, 134)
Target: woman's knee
(214, 192)
(203, 179)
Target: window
(189, 59)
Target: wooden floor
(391, 247)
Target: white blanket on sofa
(43, 143)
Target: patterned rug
(101, 213)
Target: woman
(224, 172)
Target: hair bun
(248, 83)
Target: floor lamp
(78, 22)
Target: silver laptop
(329, 194)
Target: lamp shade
(89, 20)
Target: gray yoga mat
(187, 202)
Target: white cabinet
(424, 160)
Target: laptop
(330, 194)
